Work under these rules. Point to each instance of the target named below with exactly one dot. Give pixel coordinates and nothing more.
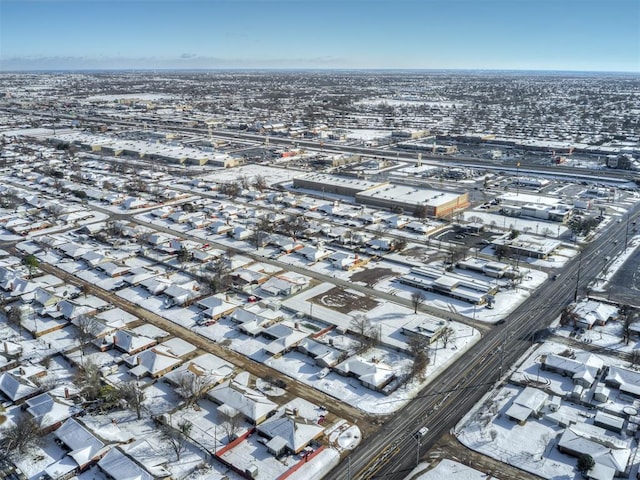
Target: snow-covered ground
(447, 470)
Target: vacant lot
(371, 276)
(344, 301)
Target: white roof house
(372, 375)
(583, 369)
(625, 380)
(119, 466)
(130, 342)
(207, 369)
(154, 361)
(528, 402)
(17, 387)
(592, 313)
(84, 446)
(47, 411)
(290, 433)
(252, 404)
(610, 453)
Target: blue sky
(403, 34)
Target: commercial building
(437, 203)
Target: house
(113, 270)
(625, 380)
(609, 422)
(285, 244)
(155, 362)
(162, 212)
(344, 261)
(132, 203)
(252, 404)
(288, 433)
(204, 371)
(16, 385)
(384, 244)
(584, 368)
(241, 233)
(284, 337)
(610, 454)
(182, 294)
(373, 375)
(253, 319)
(50, 412)
(129, 342)
(116, 465)
(155, 285)
(315, 253)
(529, 402)
(215, 307)
(246, 278)
(82, 446)
(283, 285)
(71, 309)
(324, 355)
(592, 313)
(220, 228)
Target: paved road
(392, 453)
(410, 157)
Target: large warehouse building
(438, 203)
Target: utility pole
(626, 233)
(575, 295)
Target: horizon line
(315, 69)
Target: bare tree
(259, 183)
(88, 328)
(568, 316)
(635, 357)
(14, 317)
(219, 280)
(231, 421)
(294, 226)
(368, 335)
(628, 315)
(417, 299)
(88, 380)
(193, 387)
(20, 438)
(177, 437)
(46, 383)
(446, 336)
(133, 395)
(418, 344)
(420, 363)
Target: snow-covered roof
(15, 386)
(606, 450)
(153, 361)
(47, 411)
(530, 400)
(377, 374)
(83, 444)
(118, 465)
(251, 403)
(295, 434)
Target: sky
(566, 35)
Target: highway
(392, 452)
(621, 176)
